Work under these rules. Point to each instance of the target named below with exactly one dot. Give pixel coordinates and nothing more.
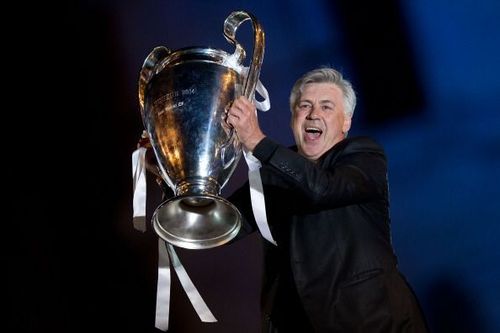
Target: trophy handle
(231, 24)
(147, 72)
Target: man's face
(319, 121)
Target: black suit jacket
(331, 222)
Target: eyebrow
(323, 101)
(326, 101)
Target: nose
(313, 112)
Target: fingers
(242, 116)
(240, 110)
(241, 104)
(144, 140)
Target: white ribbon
(254, 165)
(162, 288)
(139, 187)
(265, 104)
(166, 251)
(257, 196)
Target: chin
(311, 155)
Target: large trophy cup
(183, 97)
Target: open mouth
(312, 133)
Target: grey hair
(325, 75)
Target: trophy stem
(197, 185)
(195, 190)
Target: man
(334, 268)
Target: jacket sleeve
(354, 171)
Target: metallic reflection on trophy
(184, 96)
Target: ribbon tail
(197, 301)
(257, 196)
(139, 188)
(163, 288)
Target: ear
(346, 126)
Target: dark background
(427, 77)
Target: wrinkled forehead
(323, 91)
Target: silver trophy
(184, 96)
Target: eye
(304, 106)
(326, 107)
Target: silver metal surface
(184, 96)
(211, 222)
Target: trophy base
(197, 222)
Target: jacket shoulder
(361, 144)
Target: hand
(151, 164)
(242, 115)
(144, 141)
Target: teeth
(313, 130)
